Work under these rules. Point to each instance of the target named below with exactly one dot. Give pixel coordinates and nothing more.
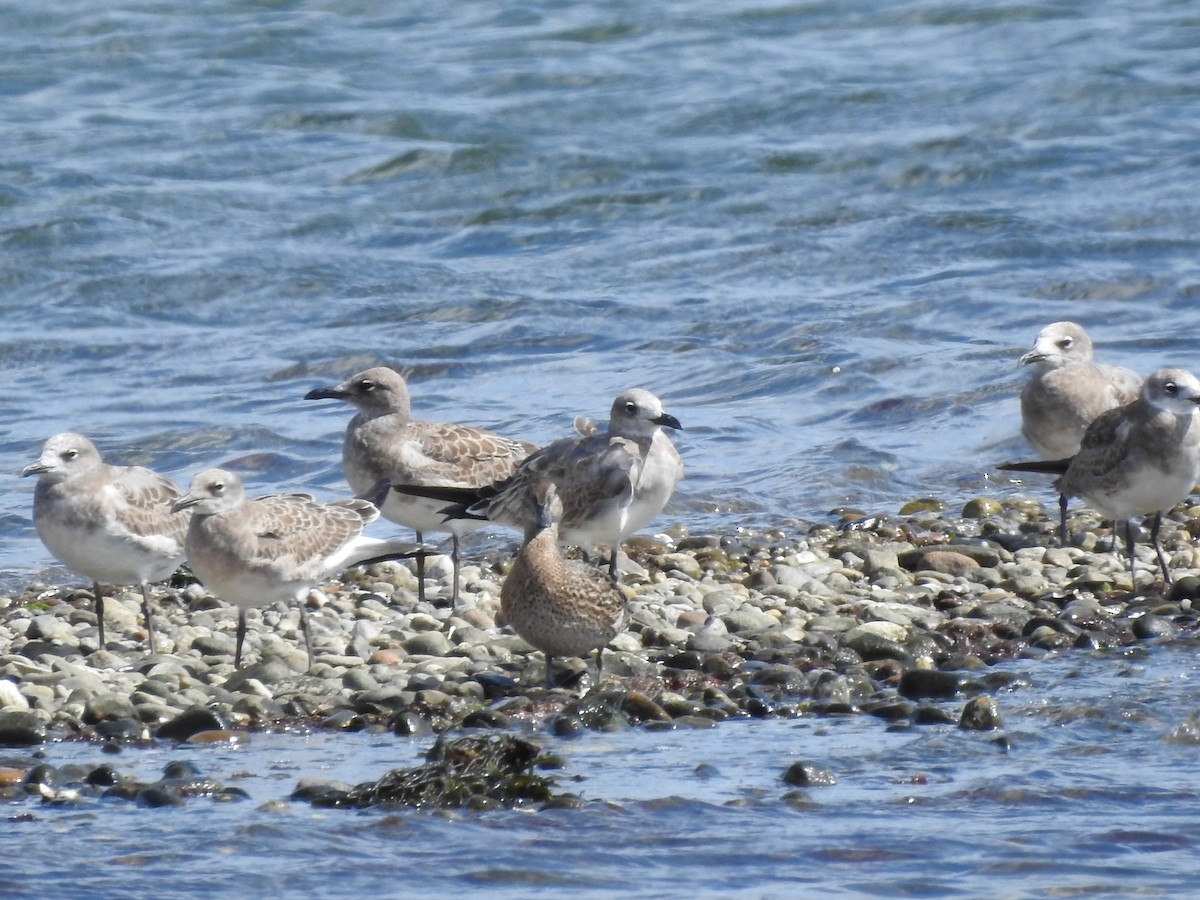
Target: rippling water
(822, 232)
(1092, 788)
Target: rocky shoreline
(900, 617)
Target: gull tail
(1045, 466)
(366, 551)
(462, 503)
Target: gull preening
(1066, 393)
(610, 483)
(384, 442)
(562, 607)
(1139, 459)
(274, 548)
(112, 524)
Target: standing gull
(1066, 393)
(383, 441)
(610, 483)
(113, 524)
(1139, 459)
(561, 607)
(274, 548)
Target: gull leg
(612, 564)
(549, 671)
(146, 613)
(1129, 547)
(241, 636)
(1062, 520)
(420, 570)
(454, 558)
(305, 631)
(98, 595)
(1158, 551)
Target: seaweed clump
(476, 772)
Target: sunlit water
(822, 232)
(1092, 786)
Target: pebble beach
(900, 617)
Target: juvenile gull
(1067, 391)
(112, 524)
(274, 548)
(1139, 459)
(561, 607)
(383, 441)
(610, 483)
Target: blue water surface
(822, 232)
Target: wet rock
(1150, 626)
(190, 722)
(981, 508)
(917, 684)
(981, 713)
(108, 706)
(801, 774)
(21, 728)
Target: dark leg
(612, 564)
(146, 613)
(1062, 520)
(98, 594)
(1129, 542)
(1158, 551)
(457, 566)
(241, 636)
(420, 570)
(304, 629)
(549, 671)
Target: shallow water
(822, 232)
(1091, 787)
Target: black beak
(669, 421)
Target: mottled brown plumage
(610, 483)
(274, 548)
(113, 524)
(561, 607)
(1138, 459)
(384, 442)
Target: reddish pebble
(383, 658)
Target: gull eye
(366, 385)
(1066, 343)
(70, 454)
(1171, 388)
(631, 407)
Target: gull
(274, 548)
(1067, 392)
(610, 483)
(113, 524)
(1138, 459)
(383, 441)
(561, 607)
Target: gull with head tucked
(1138, 459)
(610, 483)
(274, 548)
(113, 524)
(1066, 392)
(384, 442)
